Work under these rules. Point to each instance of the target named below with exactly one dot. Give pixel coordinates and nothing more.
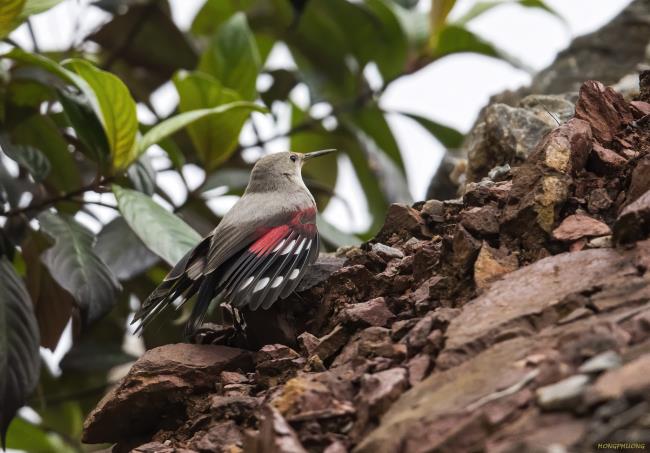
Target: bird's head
(276, 170)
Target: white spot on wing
(277, 247)
(308, 245)
(277, 282)
(299, 249)
(288, 248)
(294, 274)
(246, 283)
(261, 284)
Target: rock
(491, 264)
(154, 447)
(640, 180)
(633, 223)
(376, 342)
(386, 252)
(601, 242)
(417, 337)
(224, 437)
(544, 286)
(578, 226)
(418, 367)
(379, 390)
(233, 407)
(275, 436)
(336, 447)
(308, 343)
(434, 210)
(325, 266)
(231, 377)
(602, 362)
(159, 380)
(331, 343)
(374, 312)
(565, 394)
(598, 200)
(501, 135)
(465, 247)
(401, 220)
(604, 109)
(566, 149)
(603, 161)
(431, 415)
(630, 380)
(481, 221)
(640, 109)
(313, 397)
(276, 363)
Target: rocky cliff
(514, 319)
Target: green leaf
(115, 108)
(333, 236)
(481, 7)
(213, 13)
(40, 132)
(214, 116)
(142, 175)
(122, 251)
(448, 136)
(19, 354)
(45, 63)
(9, 13)
(26, 436)
(161, 231)
(214, 131)
(28, 157)
(33, 7)
(75, 266)
(233, 57)
(86, 125)
(457, 39)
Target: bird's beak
(308, 156)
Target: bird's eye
(293, 157)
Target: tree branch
(95, 186)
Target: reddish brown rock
(401, 220)
(275, 436)
(313, 397)
(379, 390)
(604, 109)
(544, 286)
(634, 222)
(578, 226)
(640, 109)
(331, 343)
(466, 248)
(640, 181)
(160, 379)
(603, 161)
(374, 312)
(482, 221)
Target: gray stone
(563, 394)
(385, 251)
(601, 362)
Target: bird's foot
(218, 334)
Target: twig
(95, 186)
(32, 35)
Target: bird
(256, 255)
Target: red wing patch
(273, 265)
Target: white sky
(451, 91)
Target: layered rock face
(514, 319)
